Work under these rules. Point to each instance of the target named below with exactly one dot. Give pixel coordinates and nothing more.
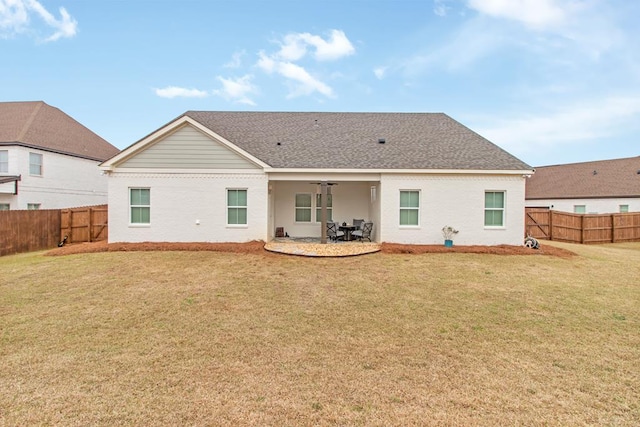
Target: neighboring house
(237, 176)
(48, 160)
(605, 186)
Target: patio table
(347, 231)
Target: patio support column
(325, 190)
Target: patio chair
(364, 233)
(332, 231)
(358, 223)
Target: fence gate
(86, 224)
(538, 223)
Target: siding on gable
(187, 148)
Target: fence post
(581, 229)
(550, 224)
(70, 226)
(90, 224)
(613, 228)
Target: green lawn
(209, 338)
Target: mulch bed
(258, 247)
(392, 248)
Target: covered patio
(300, 206)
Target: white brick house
(603, 186)
(237, 176)
(48, 160)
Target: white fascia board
(323, 176)
(170, 128)
(401, 171)
(167, 171)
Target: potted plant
(448, 232)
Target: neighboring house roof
(598, 179)
(35, 124)
(351, 140)
(308, 140)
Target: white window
(140, 205)
(4, 161)
(33, 206)
(624, 208)
(494, 208)
(409, 207)
(579, 209)
(303, 207)
(319, 207)
(4, 206)
(35, 164)
(236, 207)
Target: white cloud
(180, 92)
(303, 82)
(294, 46)
(15, 19)
(236, 60)
(237, 90)
(337, 47)
(13, 16)
(265, 62)
(533, 13)
(440, 7)
(380, 72)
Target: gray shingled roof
(598, 179)
(38, 125)
(350, 140)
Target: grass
(209, 338)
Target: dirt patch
(258, 247)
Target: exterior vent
(381, 141)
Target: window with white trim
(4, 206)
(319, 207)
(35, 164)
(494, 208)
(33, 206)
(236, 206)
(4, 161)
(409, 207)
(140, 205)
(624, 208)
(303, 207)
(579, 209)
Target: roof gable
(314, 140)
(38, 125)
(186, 139)
(598, 179)
(186, 148)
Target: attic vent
(381, 141)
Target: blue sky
(550, 81)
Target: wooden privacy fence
(26, 231)
(86, 224)
(582, 228)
